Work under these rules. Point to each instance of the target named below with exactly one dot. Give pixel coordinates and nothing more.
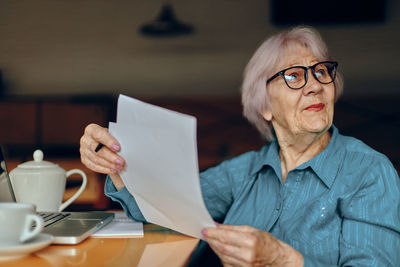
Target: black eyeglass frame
(281, 73)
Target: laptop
(66, 227)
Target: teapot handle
(80, 190)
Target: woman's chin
(318, 126)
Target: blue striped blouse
(341, 208)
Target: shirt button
(278, 206)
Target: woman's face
(306, 110)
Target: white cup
(18, 223)
(43, 183)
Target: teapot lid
(37, 162)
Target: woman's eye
(320, 72)
(291, 77)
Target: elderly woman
(311, 196)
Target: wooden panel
(17, 121)
(64, 123)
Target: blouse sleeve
(215, 190)
(370, 233)
(124, 198)
(220, 184)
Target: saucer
(22, 250)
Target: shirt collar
(269, 156)
(325, 164)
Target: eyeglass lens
(296, 77)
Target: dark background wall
(93, 46)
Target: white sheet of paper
(161, 172)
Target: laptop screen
(6, 191)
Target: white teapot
(43, 183)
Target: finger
(98, 168)
(87, 151)
(111, 157)
(87, 142)
(225, 256)
(101, 135)
(244, 253)
(96, 163)
(250, 245)
(230, 234)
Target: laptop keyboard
(50, 217)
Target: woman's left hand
(246, 246)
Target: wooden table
(158, 247)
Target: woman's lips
(316, 107)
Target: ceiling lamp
(166, 24)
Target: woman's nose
(313, 86)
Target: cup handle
(83, 186)
(30, 233)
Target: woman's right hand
(106, 160)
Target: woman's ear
(267, 115)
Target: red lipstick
(316, 107)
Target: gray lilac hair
(264, 64)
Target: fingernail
(119, 167)
(118, 162)
(113, 171)
(115, 147)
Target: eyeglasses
(296, 77)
